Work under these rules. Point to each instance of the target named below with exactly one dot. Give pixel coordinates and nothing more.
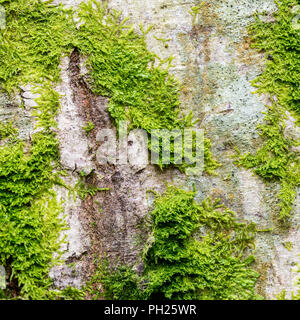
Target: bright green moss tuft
(114, 283)
(36, 36)
(7, 130)
(123, 69)
(198, 251)
(90, 126)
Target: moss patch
(32, 44)
(194, 252)
(139, 84)
(36, 36)
(275, 160)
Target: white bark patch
(282, 275)
(251, 190)
(74, 146)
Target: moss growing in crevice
(276, 159)
(119, 282)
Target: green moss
(29, 213)
(69, 293)
(280, 41)
(211, 263)
(123, 69)
(35, 37)
(114, 283)
(275, 160)
(90, 126)
(48, 106)
(7, 130)
(84, 190)
(195, 11)
(139, 84)
(194, 252)
(288, 245)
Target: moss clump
(210, 164)
(114, 283)
(29, 214)
(194, 252)
(195, 11)
(36, 36)
(30, 221)
(275, 160)
(90, 126)
(208, 264)
(123, 69)
(7, 130)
